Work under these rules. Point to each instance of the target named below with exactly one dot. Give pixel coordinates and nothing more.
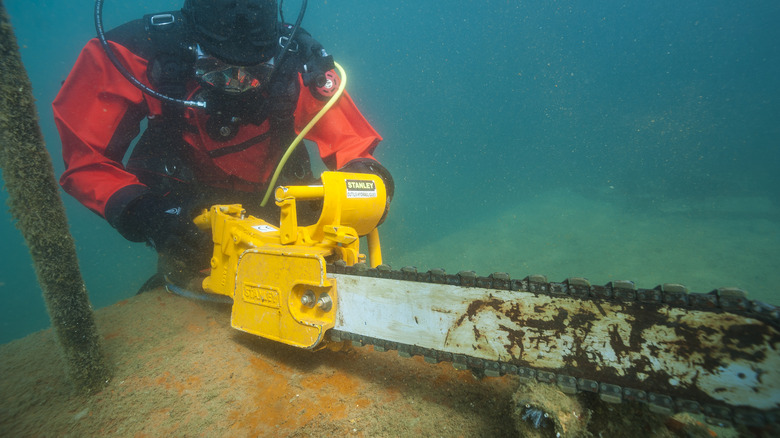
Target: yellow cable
(305, 131)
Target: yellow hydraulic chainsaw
(714, 353)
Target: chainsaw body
(276, 275)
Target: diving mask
(232, 79)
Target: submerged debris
(535, 416)
(544, 411)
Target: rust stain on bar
(705, 356)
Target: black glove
(165, 222)
(367, 165)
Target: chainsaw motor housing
(276, 273)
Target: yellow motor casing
(352, 200)
(277, 275)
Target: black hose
(133, 80)
(297, 26)
(191, 103)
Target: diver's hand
(165, 222)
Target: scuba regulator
(168, 99)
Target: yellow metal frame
(277, 275)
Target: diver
(221, 88)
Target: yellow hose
(305, 131)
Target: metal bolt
(325, 302)
(308, 299)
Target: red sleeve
(97, 113)
(342, 134)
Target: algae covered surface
(39, 214)
(181, 370)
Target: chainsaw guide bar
(712, 353)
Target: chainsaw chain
(730, 300)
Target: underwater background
(615, 140)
